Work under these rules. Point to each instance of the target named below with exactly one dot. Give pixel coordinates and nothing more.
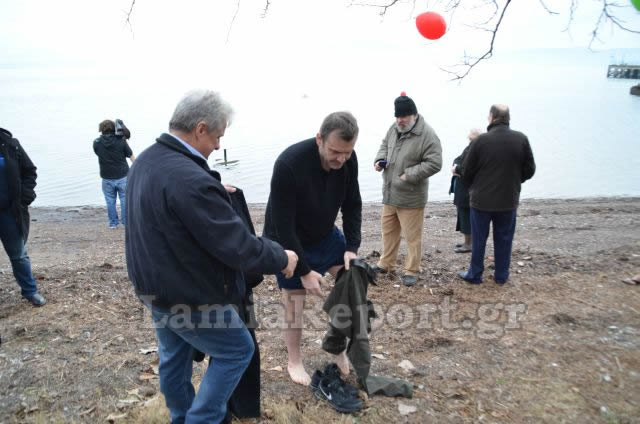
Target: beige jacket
(418, 155)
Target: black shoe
(333, 372)
(378, 270)
(331, 390)
(315, 380)
(464, 276)
(36, 299)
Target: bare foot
(299, 375)
(343, 363)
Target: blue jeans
(13, 243)
(218, 332)
(112, 189)
(504, 227)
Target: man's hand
(454, 170)
(312, 282)
(292, 262)
(403, 177)
(231, 189)
(347, 258)
(377, 166)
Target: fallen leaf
(406, 409)
(406, 365)
(148, 350)
(278, 368)
(378, 355)
(146, 376)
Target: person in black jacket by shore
(312, 181)
(497, 164)
(461, 198)
(187, 253)
(17, 184)
(113, 150)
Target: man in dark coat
(187, 253)
(17, 184)
(497, 163)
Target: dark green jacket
(350, 313)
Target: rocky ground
(559, 343)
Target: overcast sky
(292, 31)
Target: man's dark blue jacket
(185, 244)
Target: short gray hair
(344, 122)
(201, 106)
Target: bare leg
(341, 359)
(293, 301)
(467, 240)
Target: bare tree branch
(470, 63)
(266, 9)
(607, 16)
(549, 11)
(383, 7)
(233, 20)
(572, 11)
(128, 20)
(133, 2)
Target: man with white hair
(187, 251)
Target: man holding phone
(409, 154)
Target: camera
(122, 130)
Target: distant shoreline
(374, 203)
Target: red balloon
(431, 25)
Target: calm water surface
(584, 129)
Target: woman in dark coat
(461, 198)
(17, 183)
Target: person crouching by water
(17, 184)
(187, 252)
(113, 150)
(461, 198)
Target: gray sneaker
(37, 299)
(409, 280)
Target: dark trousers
(504, 227)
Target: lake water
(584, 128)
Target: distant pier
(624, 71)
